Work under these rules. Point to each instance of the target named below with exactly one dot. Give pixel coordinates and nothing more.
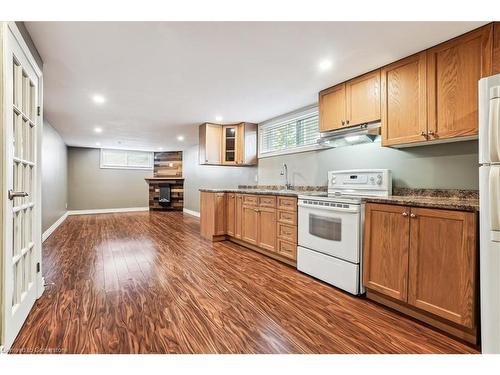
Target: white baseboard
(107, 210)
(191, 212)
(54, 226)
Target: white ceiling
(162, 79)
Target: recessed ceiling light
(218, 118)
(97, 129)
(98, 99)
(180, 138)
(98, 143)
(160, 148)
(325, 64)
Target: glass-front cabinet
(230, 144)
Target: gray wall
(209, 176)
(445, 166)
(54, 176)
(90, 187)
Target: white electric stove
(330, 226)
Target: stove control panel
(360, 182)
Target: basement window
(295, 132)
(126, 159)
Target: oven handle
(329, 208)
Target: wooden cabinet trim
(287, 249)
(267, 201)
(287, 217)
(250, 200)
(287, 232)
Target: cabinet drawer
(287, 249)
(250, 200)
(287, 232)
(287, 203)
(267, 201)
(287, 217)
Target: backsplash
(444, 166)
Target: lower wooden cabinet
(426, 260)
(265, 223)
(250, 224)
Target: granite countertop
(462, 200)
(451, 199)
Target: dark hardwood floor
(148, 283)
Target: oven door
(330, 230)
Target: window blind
(295, 133)
(125, 159)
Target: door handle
(413, 216)
(405, 214)
(15, 194)
(493, 132)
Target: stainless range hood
(365, 133)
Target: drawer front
(287, 249)
(287, 217)
(287, 203)
(287, 232)
(250, 200)
(267, 201)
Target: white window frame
(303, 112)
(148, 168)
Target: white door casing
(22, 282)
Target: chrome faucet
(284, 172)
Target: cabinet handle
(431, 133)
(347, 122)
(423, 134)
(413, 216)
(405, 214)
(343, 122)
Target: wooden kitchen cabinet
(267, 228)
(387, 230)
(234, 144)
(443, 264)
(453, 71)
(404, 101)
(212, 215)
(210, 148)
(423, 262)
(250, 224)
(351, 103)
(363, 99)
(238, 212)
(230, 214)
(332, 108)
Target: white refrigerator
(489, 196)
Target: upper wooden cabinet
(404, 101)
(332, 108)
(234, 144)
(351, 103)
(453, 71)
(363, 99)
(210, 138)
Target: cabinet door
(250, 224)
(230, 214)
(219, 214)
(363, 99)
(267, 228)
(453, 69)
(332, 108)
(442, 277)
(229, 144)
(404, 101)
(238, 215)
(210, 144)
(386, 249)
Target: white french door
(22, 281)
